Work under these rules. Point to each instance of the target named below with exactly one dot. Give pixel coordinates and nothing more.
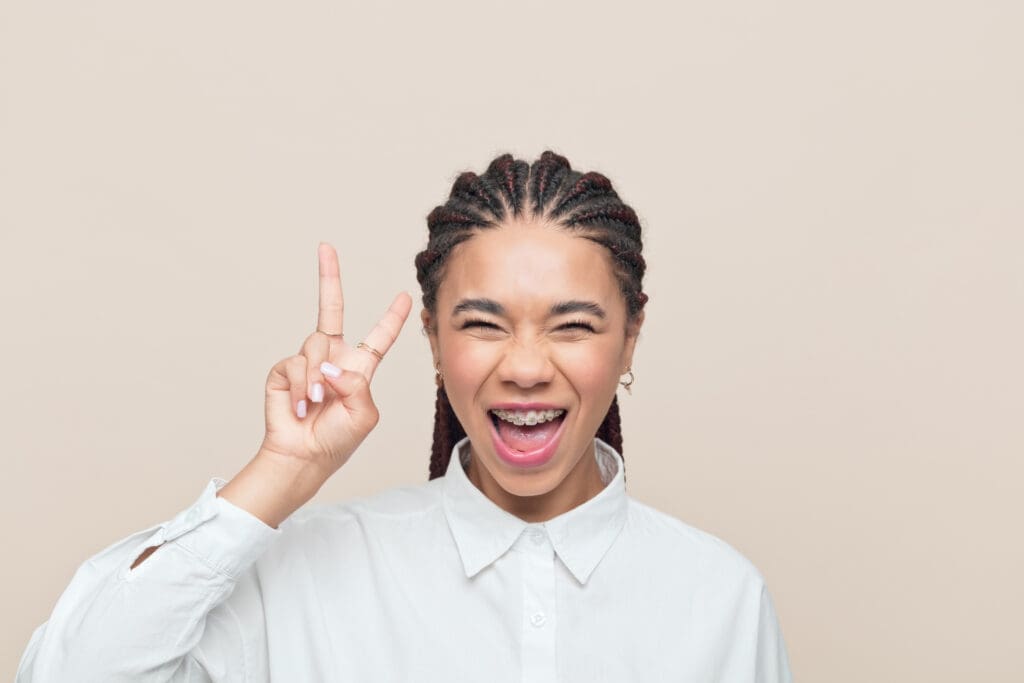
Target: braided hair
(584, 203)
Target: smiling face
(532, 336)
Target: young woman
(521, 559)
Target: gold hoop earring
(628, 383)
(438, 377)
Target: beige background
(830, 377)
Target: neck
(581, 484)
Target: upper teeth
(527, 417)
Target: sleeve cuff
(221, 534)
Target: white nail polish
(330, 370)
(317, 393)
(300, 410)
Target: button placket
(538, 655)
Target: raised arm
(138, 609)
(318, 405)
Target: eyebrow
(561, 308)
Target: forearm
(113, 623)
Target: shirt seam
(208, 563)
(351, 511)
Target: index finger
(332, 304)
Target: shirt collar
(484, 532)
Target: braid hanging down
(584, 203)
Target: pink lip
(531, 458)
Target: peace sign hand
(318, 403)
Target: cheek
(591, 368)
(466, 364)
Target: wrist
(273, 486)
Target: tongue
(525, 438)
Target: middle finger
(384, 333)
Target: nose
(526, 366)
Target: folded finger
(295, 371)
(316, 349)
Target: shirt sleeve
(113, 623)
(772, 662)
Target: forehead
(529, 263)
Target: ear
(430, 330)
(632, 334)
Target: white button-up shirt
(427, 583)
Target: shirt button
(538, 619)
(537, 537)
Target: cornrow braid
(547, 176)
(587, 187)
(447, 430)
(469, 190)
(510, 176)
(584, 203)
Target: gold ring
(367, 347)
(338, 334)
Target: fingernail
(330, 370)
(300, 409)
(317, 394)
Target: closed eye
(575, 325)
(478, 323)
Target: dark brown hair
(584, 203)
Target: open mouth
(526, 437)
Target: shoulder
(392, 506)
(361, 534)
(682, 546)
